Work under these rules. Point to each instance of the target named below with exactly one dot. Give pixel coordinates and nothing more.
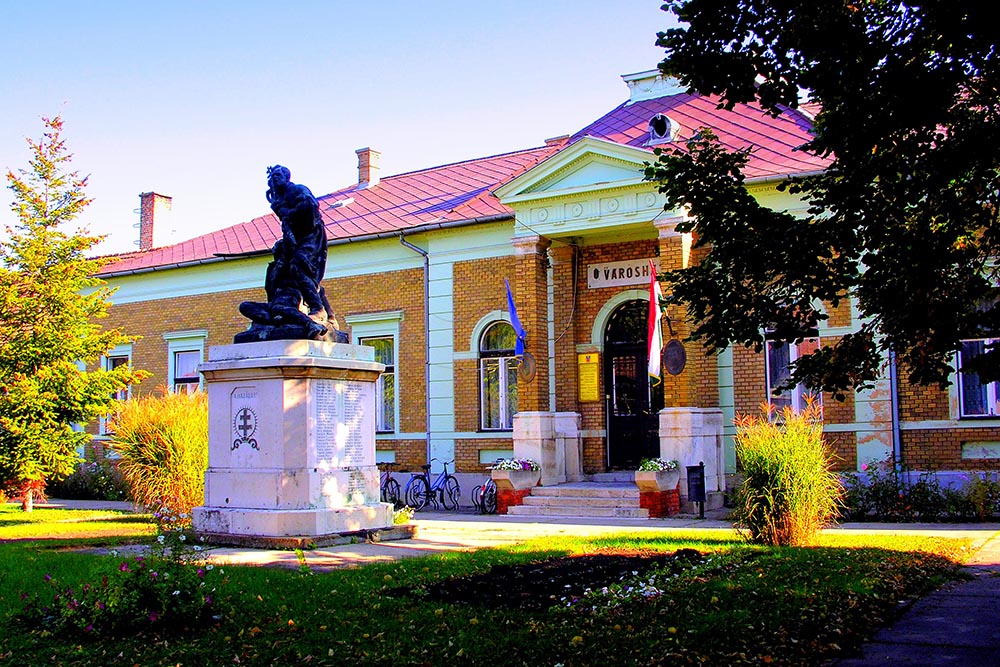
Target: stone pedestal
(568, 441)
(553, 440)
(660, 504)
(693, 435)
(291, 444)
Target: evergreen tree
(50, 307)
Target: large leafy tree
(905, 218)
(50, 304)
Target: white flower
(160, 538)
(209, 567)
(176, 593)
(183, 538)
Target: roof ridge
(443, 166)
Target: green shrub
(170, 589)
(885, 493)
(163, 442)
(886, 490)
(855, 503)
(926, 499)
(788, 491)
(92, 480)
(983, 492)
(958, 506)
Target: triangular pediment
(588, 164)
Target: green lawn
(790, 606)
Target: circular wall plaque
(674, 357)
(526, 367)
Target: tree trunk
(28, 502)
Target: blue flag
(515, 322)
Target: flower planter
(515, 480)
(657, 480)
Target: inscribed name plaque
(620, 274)
(340, 410)
(588, 371)
(243, 408)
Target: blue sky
(194, 99)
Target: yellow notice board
(588, 371)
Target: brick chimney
(152, 208)
(368, 167)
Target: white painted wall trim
(940, 424)
(381, 325)
(604, 314)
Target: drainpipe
(427, 339)
(897, 445)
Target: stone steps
(581, 512)
(596, 491)
(583, 499)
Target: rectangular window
(185, 351)
(977, 399)
(112, 362)
(778, 361)
(186, 378)
(385, 388)
(120, 356)
(499, 392)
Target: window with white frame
(778, 359)
(381, 331)
(119, 356)
(185, 351)
(498, 377)
(385, 387)
(976, 398)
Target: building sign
(588, 372)
(620, 274)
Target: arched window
(497, 377)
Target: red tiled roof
(462, 191)
(450, 193)
(773, 140)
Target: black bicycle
(388, 486)
(484, 497)
(421, 491)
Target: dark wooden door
(632, 403)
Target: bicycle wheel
(391, 492)
(477, 497)
(417, 493)
(450, 493)
(490, 499)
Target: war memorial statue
(291, 407)
(296, 307)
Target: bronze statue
(296, 301)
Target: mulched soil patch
(540, 585)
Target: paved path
(448, 531)
(956, 625)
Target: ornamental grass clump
(163, 442)
(789, 491)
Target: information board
(589, 373)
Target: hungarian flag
(655, 330)
(515, 322)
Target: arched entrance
(632, 404)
